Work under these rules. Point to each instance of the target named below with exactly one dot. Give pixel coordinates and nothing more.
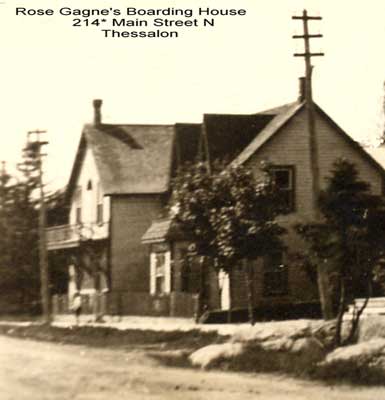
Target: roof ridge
(275, 124)
(230, 114)
(90, 125)
(279, 109)
(151, 125)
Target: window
(99, 205)
(78, 217)
(160, 264)
(275, 275)
(283, 177)
(78, 204)
(99, 213)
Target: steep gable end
(350, 141)
(285, 143)
(130, 159)
(76, 167)
(278, 118)
(283, 115)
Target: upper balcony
(66, 236)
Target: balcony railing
(65, 236)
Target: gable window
(89, 185)
(78, 205)
(275, 282)
(284, 180)
(99, 205)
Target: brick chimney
(302, 89)
(97, 103)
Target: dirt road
(39, 371)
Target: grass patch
(110, 337)
(174, 359)
(173, 348)
(20, 317)
(258, 360)
(350, 372)
(305, 365)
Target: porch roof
(162, 231)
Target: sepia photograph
(192, 199)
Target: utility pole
(309, 104)
(322, 274)
(204, 147)
(35, 155)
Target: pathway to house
(46, 371)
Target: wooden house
(120, 186)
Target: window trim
(292, 189)
(166, 272)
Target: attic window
(89, 185)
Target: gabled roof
(281, 116)
(187, 142)
(140, 159)
(134, 159)
(278, 118)
(229, 134)
(378, 153)
(352, 142)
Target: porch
(67, 236)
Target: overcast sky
(51, 71)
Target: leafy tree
(229, 216)
(19, 272)
(350, 239)
(7, 274)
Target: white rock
(372, 328)
(281, 344)
(310, 346)
(266, 331)
(360, 353)
(206, 356)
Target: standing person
(77, 306)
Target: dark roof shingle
(133, 159)
(163, 230)
(229, 134)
